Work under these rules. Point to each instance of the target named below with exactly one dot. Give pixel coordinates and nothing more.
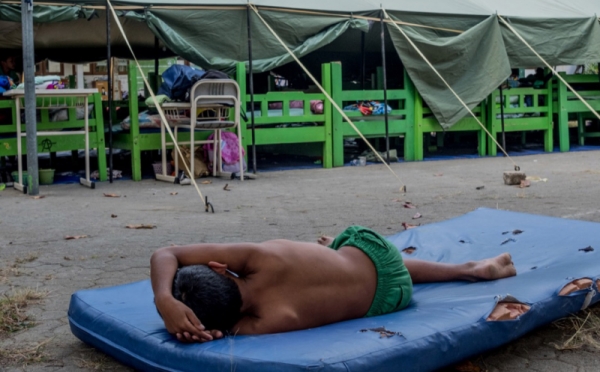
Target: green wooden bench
(56, 143)
(400, 119)
(425, 123)
(568, 107)
(537, 116)
(271, 124)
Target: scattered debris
(174, 193)
(514, 178)
(536, 179)
(508, 241)
(462, 241)
(13, 314)
(524, 184)
(409, 205)
(417, 216)
(584, 330)
(38, 197)
(468, 366)
(408, 226)
(226, 187)
(517, 232)
(409, 250)
(112, 195)
(67, 258)
(113, 216)
(206, 182)
(438, 174)
(141, 227)
(480, 188)
(587, 249)
(397, 200)
(75, 237)
(534, 268)
(383, 333)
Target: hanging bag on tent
(177, 81)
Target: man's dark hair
(214, 298)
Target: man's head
(214, 298)
(8, 63)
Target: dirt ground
(298, 204)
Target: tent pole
(502, 117)
(385, 102)
(110, 95)
(251, 86)
(30, 101)
(363, 52)
(156, 55)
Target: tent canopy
(464, 39)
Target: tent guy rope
(550, 67)
(452, 90)
(333, 103)
(158, 107)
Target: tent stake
(30, 101)
(110, 96)
(385, 102)
(251, 86)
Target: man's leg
(428, 272)
(490, 269)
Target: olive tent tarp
(465, 40)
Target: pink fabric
(316, 106)
(293, 104)
(230, 153)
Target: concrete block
(514, 178)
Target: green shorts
(394, 286)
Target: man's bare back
(287, 285)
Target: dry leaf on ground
(141, 227)
(206, 182)
(174, 193)
(113, 216)
(417, 216)
(75, 237)
(226, 187)
(467, 367)
(408, 226)
(409, 205)
(38, 197)
(112, 195)
(524, 184)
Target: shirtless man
(203, 291)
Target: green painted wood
(134, 125)
(567, 104)
(400, 121)
(527, 123)
(287, 135)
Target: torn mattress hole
(383, 333)
(409, 250)
(508, 308)
(576, 286)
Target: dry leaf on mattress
(75, 237)
(112, 195)
(141, 227)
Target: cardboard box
(102, 87)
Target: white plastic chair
(215, 98)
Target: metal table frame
(80, 98)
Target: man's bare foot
(325, 240)
(494, 268)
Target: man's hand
(181, 321)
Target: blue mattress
(444, 324)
